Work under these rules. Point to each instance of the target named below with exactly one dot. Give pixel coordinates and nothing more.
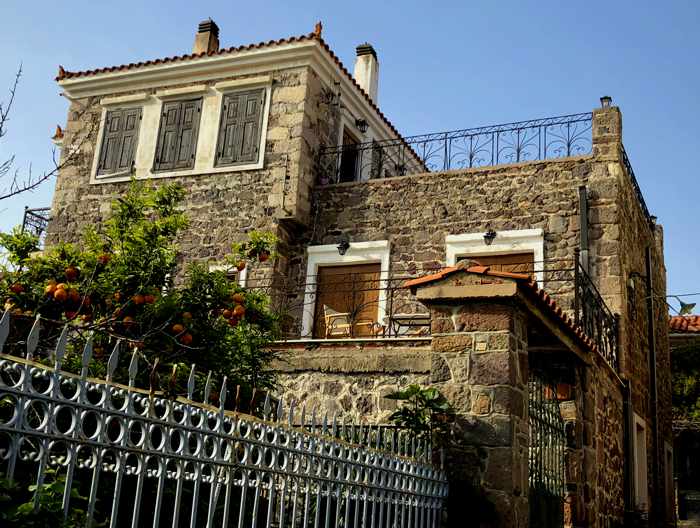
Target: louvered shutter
(240, 128)
(187, 134)
(119, 140)
(167, 136)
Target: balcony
(537, 139)
(342, 304)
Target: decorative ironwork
(637, 189)
(35, 221)
(546, 453)
(595, 318)
(182, 461)
(536, 139)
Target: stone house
(516, 267)
(685, 336)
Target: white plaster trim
(248, 81)
(242, 275)
(185, 90)
(641, 489)
(506, 242)
(123, 99)
(205, 155)
(327, 255)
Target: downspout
(651, 337)
(583, 226)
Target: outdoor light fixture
(489, 237)
(344, 245)
(361, 125)
(686, 308)
(605, 101)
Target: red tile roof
(689, 324)
(315, 35)
(527, 284)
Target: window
(240, 128)
(348, 160)
(511, 262)
(177, 135)
(347, 300)
(119, 139)
(641, 485)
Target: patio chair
(340, 324)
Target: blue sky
(444, 65)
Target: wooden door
(352, 289)
(512, 262)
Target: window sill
(197, 171)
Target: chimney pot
(367, 70)
(207, 38)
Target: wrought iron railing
(595, 318)
(141, 458)
(35, 222)
(536, 139)
(637, 189)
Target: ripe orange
(263, 256)
(61, 286)
(74, 296)
(138, 299)
(149, 299)
(128, 319)
(71, 273)
(187, 316)
(239, 310)
(50, 288)
(226, 313)
(178, 328)
(238, 298)
(241, 265)
(186, 339)
(104, 258)
(16, 288)
(60, 295)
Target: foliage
(685, 366)
(118, 283)
(20, 244)
(425, 412)
(17, 504)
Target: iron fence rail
(35, 221)
(196, 463)
(637, 189)
(535, 139)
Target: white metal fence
(144, 459)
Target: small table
(407, 324)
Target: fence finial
(190, 383)
(87, 356)
(313, 419)
(4, 328)
(60, 349)
(222, 394)
(237, 403)
(290, 419)
(324, 430)
(266, 406)
(280, 410)
(303, 414)
(207, 388)
(133, 367)
(113, 361)
(33, 337)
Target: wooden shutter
(240, 127)
(177, 136)
(350, 289)
(119, 140)
(512, 262)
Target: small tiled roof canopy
(525, 284)
(685, 324)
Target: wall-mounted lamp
(343, 245)
(489, 237)
(361, 125)
(605, 101)
(686, 308)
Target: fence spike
(313, 419)
(238, 398)
(324, 430)
(133, 366)
(207, 388)
(190, 383)
(334, 430)
(60, 349)
(252, 400)
(352, 432)
(413, 446)
(266, 406)
(290, 420)
(87, 356)
(303, 414)
(222, 394)
(4, 328)
(113, 361)
(280, 410)
(378, 437)
(33, 337)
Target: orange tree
(120, 282)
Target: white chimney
(367, 70)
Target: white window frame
(377, 251)
(641, 475)
(207, 140)
(506, 243)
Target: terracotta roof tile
(528, 285)
(64, 74)
(685, 324)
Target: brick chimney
(367, 70)
(207, 38)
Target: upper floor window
(177, 135)
(349, 170)
(119, 140)
(240, 127)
